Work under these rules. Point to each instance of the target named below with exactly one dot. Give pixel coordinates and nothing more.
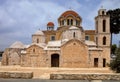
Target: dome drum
(50, 26)
(69, 18)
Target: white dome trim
(73, 27)
(39, 32)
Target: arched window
(104, 25)
(96, 26)
(77, 22)
(33, 50)
(67, 21)
(62, 22)
(103, 13)
(37, 40)
(104, 40)
(74, 34)
(71, 21)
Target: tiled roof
(69, 12)
(50, 24)
(89, 31)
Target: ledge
(16, 75)
(85, 76)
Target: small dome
(39, 32)
(50, 24)
(73, 27)
(69, 12)
(17, 44)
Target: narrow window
(37, 40)
(104, 25)
(76, 22)
(67, 21)
(103, 13)
(104, 62)
(62, 22)
(96, 26)
(74, 34)
(95, 62)
(71, 21)
(97, 41)
(104, 40)
(33, 50)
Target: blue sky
(19, 19)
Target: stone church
(68, 46)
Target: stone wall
(20, 75)
(11, 56)
(74, 54)
(85, 76)
(35, 57)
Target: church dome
(50, 24)
(69, 12)
(69, 18)
(17, 44)
(39, 32)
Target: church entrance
(55, 60)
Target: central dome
(69, 12)
(69, 18)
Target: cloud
(19, 19)
(107, 4)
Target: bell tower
(102, 24)
(103, 36)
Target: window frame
(88, 37)
(51, 38)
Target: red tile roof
(50, 24)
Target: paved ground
(0, 58)
(38, 80)
(44, 73)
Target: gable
(34, 49)
(74, 54)
(74, 41)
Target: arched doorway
(55, 60)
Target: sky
(19, 19)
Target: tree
(114, 21)
(113, 49)
(115, 64)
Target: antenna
(70, 8)
(101, 6)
